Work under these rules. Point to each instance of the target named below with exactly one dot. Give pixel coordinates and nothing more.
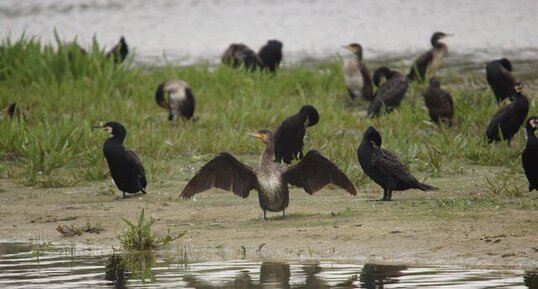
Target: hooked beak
(257, 135)
(348, 48)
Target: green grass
(64, 92)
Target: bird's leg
(389, 196)
(123, 195)
(385, 194)
(284, 213)
(265, 215)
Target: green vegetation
(76, 230)
(64, 92)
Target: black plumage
(271, 55)
(176, 96)
(384, 168)
(289, 135)
(270, 179)
(239, 55)
(427, 64)
(506, 122)
(119, 51)
(439, 103)
(390, 94)
(529, 157)
(356, 74)
(125, 167)
(500, 78)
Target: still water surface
(25, 266)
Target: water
(27, 266)
(194, 30)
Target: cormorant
(426, 64)
(389, 94)
(125, 167)
(289, 135)
(529, 157)
(238, 54)
(270, 179)
(119, 51)
(500, 78)
(271, 55)
(176, 96)
(384, 168)
(506, 121)
(439, 103)
(357, 75)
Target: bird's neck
(118, 138)
(267, 156)
(531, 137)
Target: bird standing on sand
(271, 55)
(176, 96)
(389, 94)
(529, 157)
(384, 168)
(357, 75)
(500, 78)
(289, 135)
(270, 179)
(427, 64)
(125, 167)
(240, 55)
(119, 51)
(506, 121)
(439, 103)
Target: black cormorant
(506, 121)
(271, 55)
(289, 135)
(500, 78)
(240, 55)
(357, 75)
(529, 157)
(427, 64)
(177, 97)
(119, 51)
(439, 103)
(384, 168)
(270, 179)
(389, 94)
(125, 167)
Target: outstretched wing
(136, 164)
(389, 164)
(315, 171)
(223, 172)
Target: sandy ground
(417, 228)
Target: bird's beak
(348, 47)
(448, 35)
(97, 126)
(105, 128)
(257, 135)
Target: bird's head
(518, 87)
(265, 135)
(310, 114)
(355, 48)
(373, 136)
(438, 36)
(435, 82)
(113, 128)
(532, 123)
(506, 63)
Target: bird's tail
(143, 191)
(426, 187)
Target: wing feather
(136, 164)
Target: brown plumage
(427, 64)
(390, 94)
(439, 103)
(239, 55)
(270, 179)
(357, 75)
(176, 96)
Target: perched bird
(240, 55)
(357, 75)
(506, 121)
(271, 55)
(289, 135)
(529, 157)
(119, 51)
(384, 168)
(500, 78)
(389, 94)
(270, 179)
(427, 64)
(125, 167)
(176, 96)
(439, 103)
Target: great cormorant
(176, 96)
(125, 167)
(271, 55)
(389, 94)
(529, 157)
(439, 103)
(240, 55)
(270, 179)
(500, 78)
(384, 168)
(357, 75)
(119, 51)
(427, 64)
(289, 135)
(506, 121)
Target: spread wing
(223, 172)
(389, 164)
(136, 164)
(315, 171)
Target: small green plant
(75, 230)
(139, 236)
